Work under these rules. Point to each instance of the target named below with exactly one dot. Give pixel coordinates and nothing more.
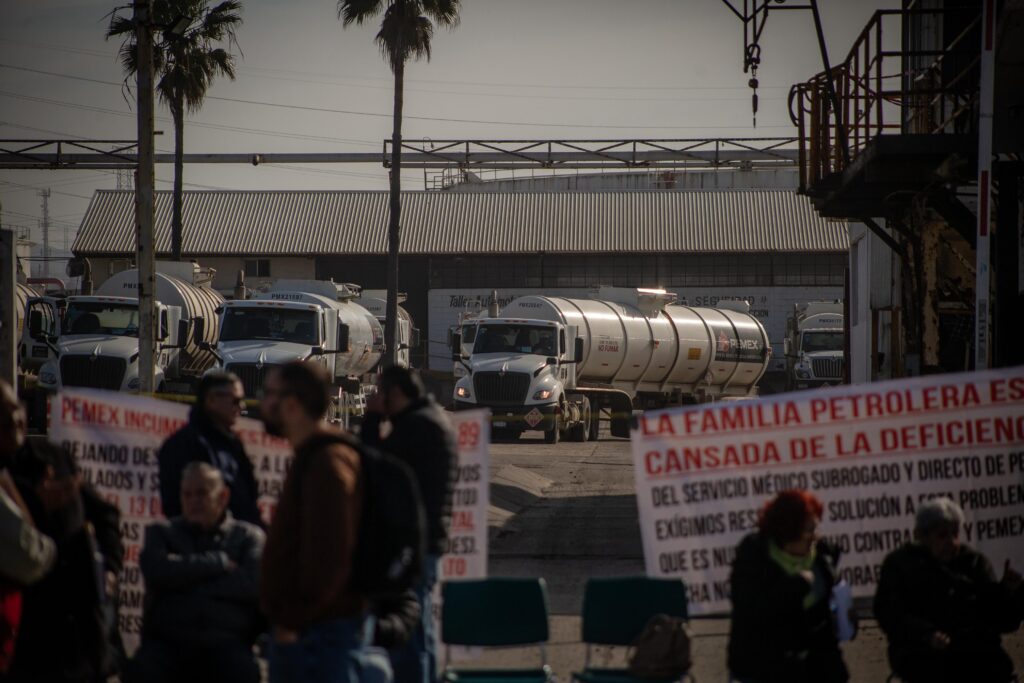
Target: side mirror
(182, 334)
(456, 343)
(35, 324)
(414, 337)
(552, 360)
(343, 338)
(162, 333)
(578, 351)
(785, 347)
(199, 331)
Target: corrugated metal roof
(233, 222)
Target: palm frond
(358, 11)
(442, 12)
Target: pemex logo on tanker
(940, 417)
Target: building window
(257, 267)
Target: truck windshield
(822, 341)
(505, 338)
(271, 324)
(120, 320)
(468, 335)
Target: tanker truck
(555, 364)
(375, 301)
(814, 345)
(98, 344)
(302, 320)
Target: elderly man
(201, 615)
(941, 607)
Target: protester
(201, 570)
(782, 577)
(940, 605)
(208, 437)
(25, 554)
(68, 617)
(422, 437)
(319, 630)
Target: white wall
(873, 293)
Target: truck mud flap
(621, 414)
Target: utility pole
(45, 194)
(145, 235)
(8, 312)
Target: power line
(335, 77)
(351, 112)
(35, 188)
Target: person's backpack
(392, 529)
(662, 650)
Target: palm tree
(186, 62)
(405, 32)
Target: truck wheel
(552, 435)
(595, 423)
(580, 430)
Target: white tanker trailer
(99, 341)
(302, 320)
(553, 364)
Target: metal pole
(8, 312)
(45, 194)
(985, 106)
(830, 85)
(144, 196)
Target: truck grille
(98, 372)
(252, 377)
(827, 368)
(496, 387)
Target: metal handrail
(883, 91)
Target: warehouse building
(767, 246)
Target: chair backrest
(616, 610)
(494, 612)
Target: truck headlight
(542, 394)
(803, 374)
(134, 382)
(462, 392)
(47, 377)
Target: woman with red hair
(782, 627)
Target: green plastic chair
(495, 613)
(615, 612)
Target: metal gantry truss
(707, 153)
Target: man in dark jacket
(201, 569)
(208, 437)
(72, 609)
(422, 437)
(940, 605)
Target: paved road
(567, 513)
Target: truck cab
(98, 345)
(814, 345)
(43, 316)
(523, 370)
(276, 328)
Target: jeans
(330, 652)
(416, 661)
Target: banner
(115, 438)
(466, 557)
(871, 453)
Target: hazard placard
(533, 417)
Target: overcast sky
(513, 69)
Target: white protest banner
(466, 557)
(871, 453)
(114, 439)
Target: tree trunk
(394, 230)
(178, 113)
